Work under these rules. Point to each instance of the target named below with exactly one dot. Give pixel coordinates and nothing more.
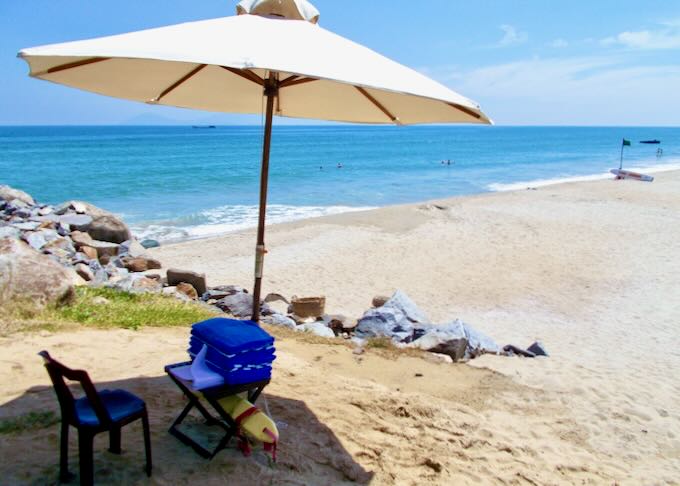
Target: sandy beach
(589, 268)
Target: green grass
(118, 310)
(30, 421)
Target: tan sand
(591, 269)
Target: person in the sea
(339, 165)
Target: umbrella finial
(287, 9)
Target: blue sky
(527, 62)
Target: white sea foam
(649, 169)
(228, 219)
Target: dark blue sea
(173, 183)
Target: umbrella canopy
(272, 50)
(211, 65)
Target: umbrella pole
(271, 91)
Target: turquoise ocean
(173, 182)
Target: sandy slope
(591, 269)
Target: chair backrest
(58, 372)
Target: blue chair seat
(119, 403)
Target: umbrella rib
(179, 82)
(377, 103)
(288, 82)
(244, 73)
(75, 64)
(465, 110)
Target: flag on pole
(626, 142)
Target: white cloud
(511, 36)
(582, 90)
(667, 37)
(558, 43)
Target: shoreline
(502, 188)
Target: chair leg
(86, 458)
(147, 442)
(64, 475)
(114, 440)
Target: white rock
(317, 328)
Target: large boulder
(240, 305)
(394, 319)
(176, 276)
(109, 228)
(99, 223)
(8, 193)
(449, 339)
(29, 276)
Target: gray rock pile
(75, 237)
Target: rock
(172, 292)
(9, 193)
(80, 222)
(85, 272)
(337, 324)
(24, 213)
(176, 276)
(394, 319)
(45, 210)
(132, 248)
(512, 350)
(479, 343)
(438, 358)
(449, 339)
(100, 275)
(104, 249)
(240, 305)
(154, 276)
(35, 240)
(137, 283)
(220, 292)
(9, 232)
(318, 328)
(99, 300)
(60, 243)
(109, 228)
(80, 207)
(538, 349)
(80, 238)
(141, 264)
(150, 244)
(90, 252)
(188, 290)
(279, 320)
(379, 300)
(26, 274)
(27, 225)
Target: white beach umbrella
(274, 54)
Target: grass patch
(30, 421)
(379, 343)
(110, 308)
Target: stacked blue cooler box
(240, 351)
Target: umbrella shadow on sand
(309, 451)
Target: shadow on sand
(309, 452)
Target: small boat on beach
(628, 174)
(651, 141)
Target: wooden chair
(107, 410)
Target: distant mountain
(153, 119)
